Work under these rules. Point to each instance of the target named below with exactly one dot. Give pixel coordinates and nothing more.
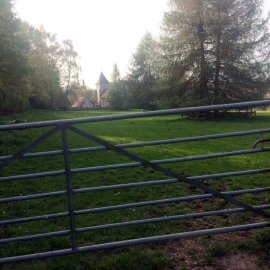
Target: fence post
(70, 193)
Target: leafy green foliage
(43, 80)
(35, 68)
(211, 51)
(13, 61)
(115, 74)
(218, 48)
(144, 73)
(119, 95)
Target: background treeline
(36, 70)
(210, 51)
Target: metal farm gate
(62, 127)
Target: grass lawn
(124, 131)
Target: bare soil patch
(241, 261)
(193, 254)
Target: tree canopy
(218, 49)
(35, 68)
(209, 51)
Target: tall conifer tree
(219, 49)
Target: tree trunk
(218, 57)
(203, 91)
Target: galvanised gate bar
(62, 127)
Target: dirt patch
(240, 261)
(193, 254)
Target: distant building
(267, 95)
(82, 103)
(102, 87)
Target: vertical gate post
(70, 193)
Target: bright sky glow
(103, 32)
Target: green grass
(123, 131)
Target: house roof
(102, 79)
(102, 84)
(79, 103)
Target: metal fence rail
(65, 126)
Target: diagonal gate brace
(9, 160)
(180, 177)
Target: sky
(103, 32)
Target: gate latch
(261, 142)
